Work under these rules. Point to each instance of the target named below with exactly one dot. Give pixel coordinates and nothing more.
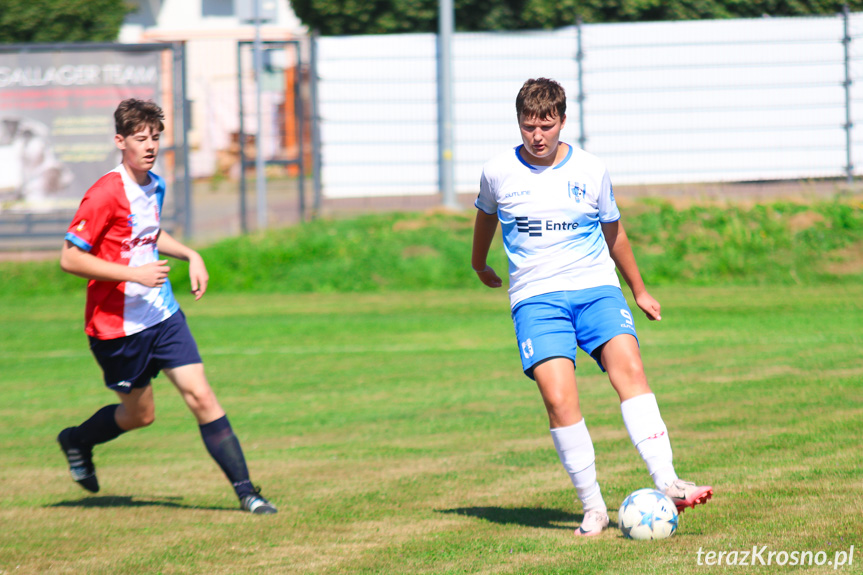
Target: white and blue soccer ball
(647, 514)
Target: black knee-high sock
(225, 448)
(101, 427)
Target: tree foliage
(26, 21)
(337, 17)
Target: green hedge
(781, 243)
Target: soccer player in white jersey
(135, 326)
(563, 237)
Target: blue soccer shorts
(556, 324)
(131, 362)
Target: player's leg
(643, 421)
(547, 343)
(555, 379)
(621, 357)
(606, 331)
(196, 392)
(557, 384)
(127, 370)
(137, 409)
(218, 435)
(647, 430)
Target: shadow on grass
(526, 516)
(105, 501)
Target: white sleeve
(486, 200)
(608, 211)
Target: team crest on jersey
(132, 220)
(81, 226)
(527, 348)
(576, 191)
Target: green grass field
(397, 435)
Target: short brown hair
(133, 115)
(541, 98)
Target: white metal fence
(665, 102)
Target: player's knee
(563, 417)
(631, 383)
(140, 419)
(146, 417)
(631, 369)
(556, 400)
(561, 407)
(200, 401)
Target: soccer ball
(647, 514)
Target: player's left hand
(649, 306)
(489, 278)
(198, 276)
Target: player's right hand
(154, 274)
(489, 278)
(649, 306)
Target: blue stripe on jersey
(160, 190)
(167, 294)
(520, 159)
(566, 159)
(532, 167)
(78, 242)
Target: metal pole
(244, 226)
(846, 42)
(187, 180)
(260, 175)
(298, 113)
(579, 58)
(446, 18)
(316, 122)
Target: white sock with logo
(650, 436)
(575, 450)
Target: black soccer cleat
(255, 503)
(80, 460)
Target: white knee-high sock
(650, 436)
(575, 450)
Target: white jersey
(550, 217)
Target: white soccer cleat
(594, 523)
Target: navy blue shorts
(131, 362)
(555, 324)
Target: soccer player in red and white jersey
(135, 326)
(563, 237)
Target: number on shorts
(625, 313)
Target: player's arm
(483, 233)
(168, 246)
(82, 263)
(621, 252)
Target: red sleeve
(96, 212)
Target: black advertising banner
(57, 121)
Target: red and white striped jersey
(118, 221)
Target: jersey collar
(532, 167)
